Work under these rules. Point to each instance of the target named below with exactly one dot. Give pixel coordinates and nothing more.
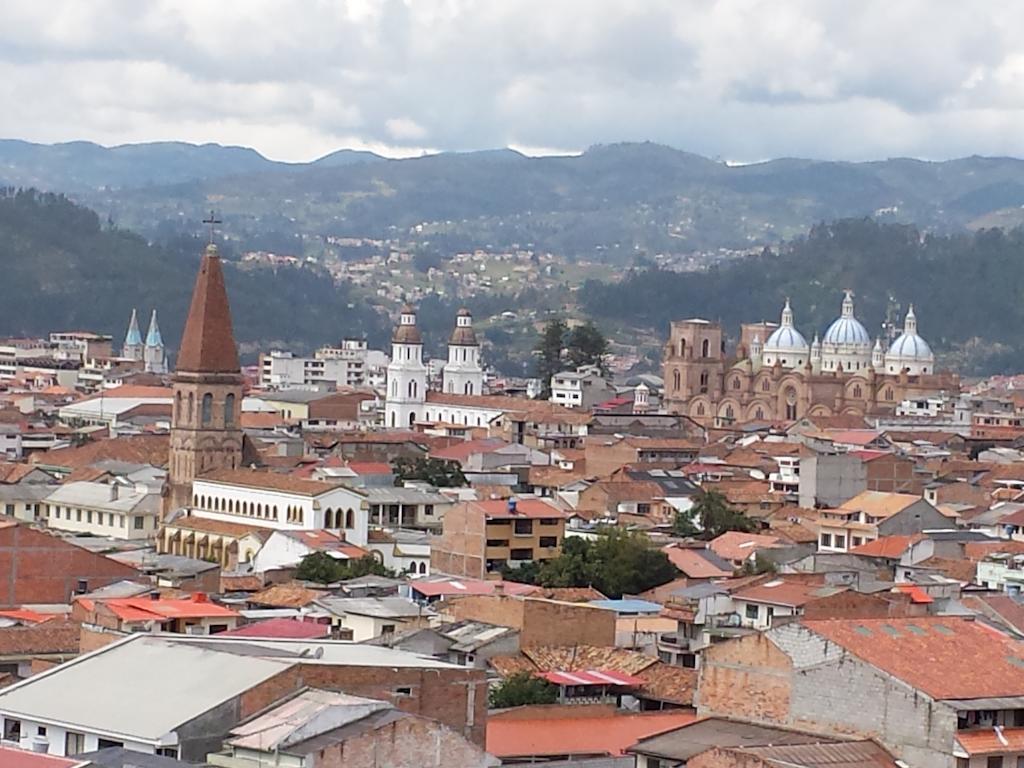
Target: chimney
(512, 506)
(199, 597)
(154, 595)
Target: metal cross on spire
(212, 221)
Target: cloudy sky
(737, 79)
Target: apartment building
(479, 537)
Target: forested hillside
(63, 268)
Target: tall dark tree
(522, 689)
(586, 345)
(712, 516)
(549, 351)
(441, 473)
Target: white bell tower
(407, 374)
(462, 373)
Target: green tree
(549, 353)
(440, 473)
(522, 689)
(586, 345)
(321, 568)
(617, 562)
(716, 516)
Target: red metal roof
(18, 758)
(991, 741)
(917, 595)
(282, 628)
(592, 677)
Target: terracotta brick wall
(748, 678)
(270, 691)
(459, 551)
(540, 622)
(36, 567)
(94, 639)
(408, 743)
(455, 697)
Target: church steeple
(205, 427)
(132, 348)
(154, 355)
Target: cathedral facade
(774, 374)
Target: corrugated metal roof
(851, 754)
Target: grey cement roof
(689, 740)
(141, 688)
(335, 652)
(377, 607)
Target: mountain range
(607, 203)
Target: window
(109, 743)
(549, 541)
(88, 516)
(9, 509)
(705, 348)
(826, 539)
(677, 380)
(750, 611)
(497, 542)
(387, 629)
(765, 385)
(78, 515)
(12, 729)
(82, 586)
(138, 522)
(856, 541)
(229, 410)
(643, 509)
(840, 541)
(207, 416)
(167, 752)
(403, 690)
(523, 527)
(41, 730)
(521, 554)
(74, 743)
(996, 761)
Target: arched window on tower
(857, 392)
(682, 347)
(350, 519)
(394, 387)
(730, 414)
(736, 382)
(700, 409)
(705, 348)
(191, 407)
(703, 381)
(469, 387)
(765, 385)
(207, 409)
(229, 410)
(677, 380)
(177, 406)
(413, 388)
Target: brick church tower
(206, 429)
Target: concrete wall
(920, 516)
(830, 479)
(540, 622)
(407, 743)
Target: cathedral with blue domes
(774, 374)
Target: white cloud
(733, 78)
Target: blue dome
(847, 330)
(910, 346)
(786, 338)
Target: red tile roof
(590, 732)
(990, 741)
(462, 451)
(945, 657)
(736, 545)
(208, 343)
(528, 508)
(274, 481)
(455, 587)
(782, 592)
(51, 637)
(281, 628)
(887, 546)
(688, 560)
(327, 541)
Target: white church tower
(133, 347)
(154, 355)
(407, 375)
(463, 374)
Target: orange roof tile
(736, 545)
(688, 560)
(606, 732)
(254, 478)
(945, 657)
(286, 596)
(879, 503)
(887, 546)
(218, 527)
(990, 741)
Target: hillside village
(316, 560)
